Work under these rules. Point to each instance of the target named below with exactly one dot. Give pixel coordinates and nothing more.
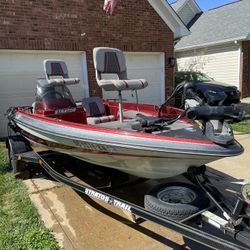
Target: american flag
(109, 6)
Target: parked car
(203, 85)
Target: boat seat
(95, 110)
(57, 72)
(111, 85)
(112, 61)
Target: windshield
(200, 77)
(191, 77)
(54, 97)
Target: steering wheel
(55, 93)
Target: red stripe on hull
(111, 131)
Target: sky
(209, 4)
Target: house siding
(58, 25)
(220, 62)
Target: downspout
(239, 43)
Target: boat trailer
(233, 223)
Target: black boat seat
(95, 110)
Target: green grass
(242, 126)
(20, 224)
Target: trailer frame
(22, 154)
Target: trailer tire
(175, 200)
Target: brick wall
(245, 89)
(58, 24)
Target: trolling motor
(191, 98)
(212, 113)
(209, 109)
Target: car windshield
(200, 77)
(191, 77)
(55, 97)
(183, 76)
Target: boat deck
(179, 129)
(127, 125)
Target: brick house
(219, 43)
(31, 31)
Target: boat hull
(144, 156)
(135, 162)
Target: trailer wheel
(175, 200)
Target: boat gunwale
(113, 131)
(133, 146)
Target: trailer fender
(17, 144)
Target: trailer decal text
(107, 199)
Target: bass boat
(144, 140)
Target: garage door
(19, 71)
(149, 66)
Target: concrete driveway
(82, 223)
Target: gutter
(239, 65)
(238, 39)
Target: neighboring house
(31, 31)
(219, 44)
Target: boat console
(55, 101)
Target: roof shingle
(226, 23)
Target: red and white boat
(138, 139)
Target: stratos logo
(107, 199)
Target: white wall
(220, 62)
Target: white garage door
(20, 69)
(149, 66)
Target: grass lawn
(20, 224)
(242, 126)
